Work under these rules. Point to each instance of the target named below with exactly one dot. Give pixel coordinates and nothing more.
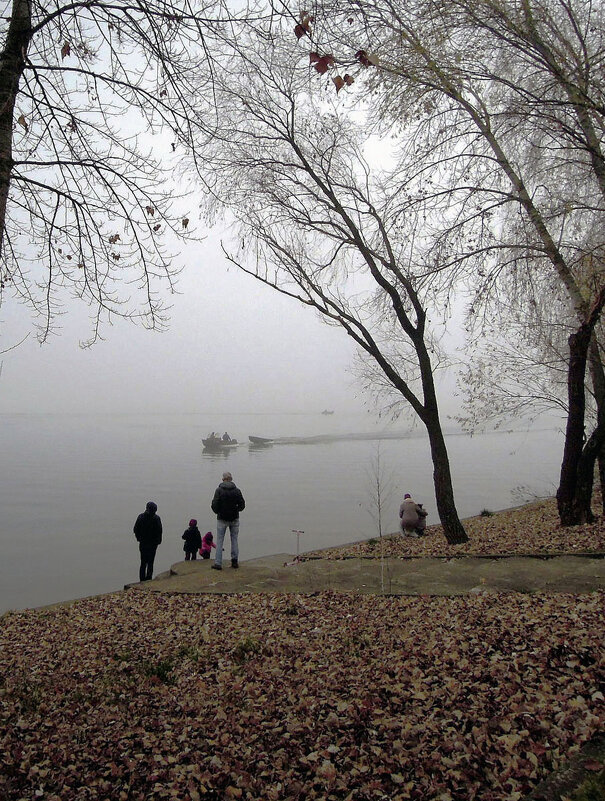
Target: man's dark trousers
(147, 557)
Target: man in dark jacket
(227, 503)
(148, 531)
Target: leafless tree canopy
(96, 107)
(499, 106)
(315, 220)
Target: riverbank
(502, 549)
(532, 529)
(520, 550)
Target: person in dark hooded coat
(193, 540)
(148, 532)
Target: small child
(193, 540)
(422, 515)
(207, 545)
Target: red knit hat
(193, 522)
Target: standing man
(148, 531)
(227, 503)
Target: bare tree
(499, 105)
(314, 223)
(516, 367)
(95, 106)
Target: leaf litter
(136, 696)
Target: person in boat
(148, 532)
(211, 436)
(226, 437)
(410, 514)
(227, 503)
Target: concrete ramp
(430, 576)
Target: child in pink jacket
(207, 545)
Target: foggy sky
(232, 346)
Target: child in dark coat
(207, 545)
(193, 540)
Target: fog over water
(72, 486)
(87, 436)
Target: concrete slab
(428, 576)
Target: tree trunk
(574, 432)
(602, 477)
(597, 374)
(585, 475)
(444, 493)
(453, 529)
(12, 63)
(593, 448)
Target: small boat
(328, 411)
(218, 444)
(260, 440)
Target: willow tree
(95, 107)
(313, 221)
(501, 106)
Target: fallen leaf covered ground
(138, 696)
(530, 529)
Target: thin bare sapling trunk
(381, 493)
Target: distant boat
(260, 440)
(328, 411)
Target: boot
(234, 563)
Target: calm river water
(71, 488)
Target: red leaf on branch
(150, 210)
(323, 64)
(65, 50)
(304, 26)
(363, 58)
(349, 79)
(338, 83)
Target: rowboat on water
(260, 440)
(218, 444)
